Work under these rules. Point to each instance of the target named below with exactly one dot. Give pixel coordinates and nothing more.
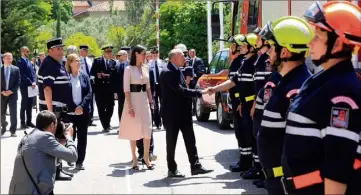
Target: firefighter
(234, 95)
(261, 74)
(321, 145)
(288, 37)
(244, 82)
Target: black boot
(253, 173)
(61, 176)
(246, 163)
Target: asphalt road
(108, 161)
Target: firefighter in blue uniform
(261, 74)
(288, 37)
(321, 145)
(244, 82)
(55, 88)
(234, 94)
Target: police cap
(86, 47)
(126, 48)
(56, 42)
(107, 47)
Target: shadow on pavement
(168, 182)
(121, 165)
(95, 132)
(112, 133)
(228, 155)
(212, 126)
(122, 172)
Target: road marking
(127, 177)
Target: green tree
(116, 35)
(65, 8)
(20, 19)
(80, 38)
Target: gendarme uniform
(323, 132)
(53, 74)
(187, 69)
(244, 84)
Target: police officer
(288, 37)
(54, 87)
(260, 77)
(324, 118)
(103, 70)
(244, 82)
(234, 94)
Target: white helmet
(181, 47)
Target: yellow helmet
(290, 32)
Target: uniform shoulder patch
(345, 99)
(339, 117)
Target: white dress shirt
(82, 65)
(76, 89)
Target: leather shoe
(175, 174)
(238, 167)
(79, 167)
(30, 125)
(252, 174)
(200, 170)
(106, 130)
(62, 177)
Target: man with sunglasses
(261, 74)
(244, 82)
(104, 70)
(322, 155)
(288, 37)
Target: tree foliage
(79, 39)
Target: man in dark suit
(176, 114)
(10, 82)
(198, 67)
(103, 71)
(28, 79)
(122, 62)
(155, 67)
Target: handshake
(209, 90)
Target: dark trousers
(91, 113)
(121, 99)
(105, 104)
(140, 146)
(156, 111)
(246, 135)
(80, 126)
(11, 101)
(256, 125)
(26, 106)
(185, 125)
(317, 189)
(237, 123)
(274, 186)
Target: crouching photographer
(34, 168)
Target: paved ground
(108, 161)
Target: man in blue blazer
(10, 82)
(28, 79)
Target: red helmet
(341, 17)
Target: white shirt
(82, 65)
(7, 73)
(76, 89)
(159, 63)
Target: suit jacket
(176, 97)
(27, 73)
(103, 84)
(86, 94)
(40, 150)
(14, 80)
(151, 73)
(119, 78)
(82, 65)
(198, 66)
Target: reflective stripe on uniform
(246, 75)
(262, 73)
(359, 149)
(259, 78)
(54, 103)
(250, 98)
(260, 107)
(271, 114)
(246, 79)
(258, 99)
(313, 132)
(270, 124)
(299, 118)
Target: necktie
(156, 72)
(181, 75)
(86, 67)
(7, 77)
(106, 64)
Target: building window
(253, 13)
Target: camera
(63, 121)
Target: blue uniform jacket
(272, 130)
(261, 73)
(324, 124)
(233, 68)
(27, 73)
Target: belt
(273, 172)
(137, 87)
(250, 98)
(301, 181)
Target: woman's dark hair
(44, 119)
(133, 59)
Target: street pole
(221, 43)
(58, 31)
(356, 57)
(157, 22)
(209, 31)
